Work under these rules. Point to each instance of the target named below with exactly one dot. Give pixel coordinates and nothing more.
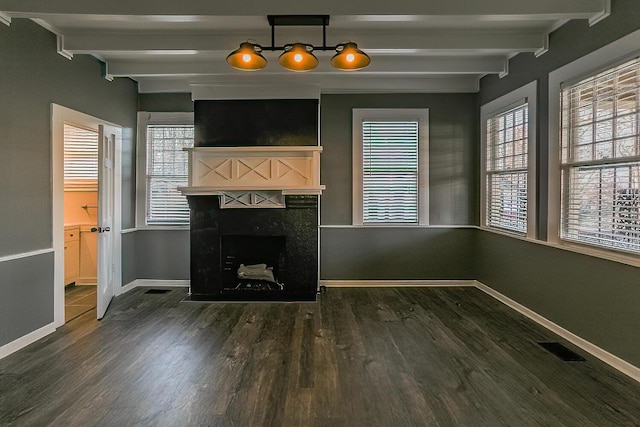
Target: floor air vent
(158, 291)
(562, 352)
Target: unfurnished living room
(342, 214)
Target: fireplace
(253, 191)
(253, 263)
(283, 238)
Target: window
(600, 160)
(506, 169)
(508, 162)
(165, 165)
(390, 167)
(80, 159)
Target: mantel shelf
(287, 169)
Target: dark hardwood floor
(358, 357)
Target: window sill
(621, 258)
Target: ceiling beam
(204, 86)
(538, 9)
(487, 41)
(382, 65)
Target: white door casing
(59, 116)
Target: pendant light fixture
(247, 57)
(298, 56)
(349, 57)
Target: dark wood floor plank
(358, 357)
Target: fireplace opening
(252, 263)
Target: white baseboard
(395, 283)
(153, 283)
(608, 358)
(25, 340)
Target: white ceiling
(415, 45)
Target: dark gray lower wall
(397, 253)
(129, 271)
(21, 280)
(161, 254)
(594, 298)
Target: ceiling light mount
(298, 56)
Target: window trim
(146, 118)
(422, 116)
(528, 94)
(606, 57)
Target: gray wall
(400, 253)
(157, 254)
(594, 298)
(162, 254)
(453, 153)
(33, 76)
(397, 253)
(26, 296)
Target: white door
(106, 266)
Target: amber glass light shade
(247, 57)
(298, 57)
(349, 57)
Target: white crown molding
(606, 11)
(61, 50)
(5, 19)
(505, 71)
(545, 47)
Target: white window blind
(507, 163)
(80, 159)
(390, 171)
(167, 169)
(600, 160)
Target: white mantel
(287, 169)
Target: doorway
(86, 209)
(80, 219)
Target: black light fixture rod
(324, 35)
(273, 35)
(298, 20)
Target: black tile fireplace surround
(289, 236)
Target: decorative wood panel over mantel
(289, 169)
